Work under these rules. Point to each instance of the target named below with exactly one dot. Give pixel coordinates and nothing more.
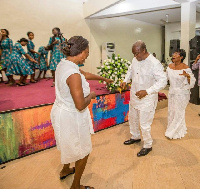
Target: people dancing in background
(70, 116)
(181, 81)
(43, 61)
(18, 65)
(6, 45)
(32, 53)
(57, 55)
(148, 78)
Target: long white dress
(71, 127)
(178, 98)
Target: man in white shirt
(148, 78)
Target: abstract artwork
(27, 131)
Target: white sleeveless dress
(71, 126)
(178, 99)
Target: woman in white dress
(181, 81)
(70, 116)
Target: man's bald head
(139, 50)
(139, 45)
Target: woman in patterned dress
(6, 45)
(17, 63)
(57, 55)
(43, 61)
(32, 53)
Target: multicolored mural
(24, 132)
(28, 131)
(109, 110)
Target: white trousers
(144, 120)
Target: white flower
(115, 68)
(108, 67)
(116, 58)
(106, 63)
(116, 73)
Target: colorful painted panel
(109, 110)
(28, 131)
(24, 132)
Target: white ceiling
(145, 11)
(155, 17)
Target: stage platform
(34, 94)
(25, 125)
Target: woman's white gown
(178, 98)
(71, 127)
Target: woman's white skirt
(177, 104)
(72, 133)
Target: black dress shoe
(144, 152)
(131, 141)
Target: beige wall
(124, 32)
(40, 16)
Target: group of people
(71, 118)
(14, 60)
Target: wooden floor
(172, 164)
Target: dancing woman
(17, 63)
(181, 81)
(70, 116)
(6, 45)
(32, 53)
(57, 55)
(43, 61)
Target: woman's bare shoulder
(171, 65)
(185, 66)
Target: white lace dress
(71, 127)
(178, 98)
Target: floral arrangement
(114, 68)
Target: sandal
(20, 84)
(89, 187)
(25, 83)
(63, 177)
(33, 81)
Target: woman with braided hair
(57, 55)
(70, 116)
(33, 54)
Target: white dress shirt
(146, 75)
